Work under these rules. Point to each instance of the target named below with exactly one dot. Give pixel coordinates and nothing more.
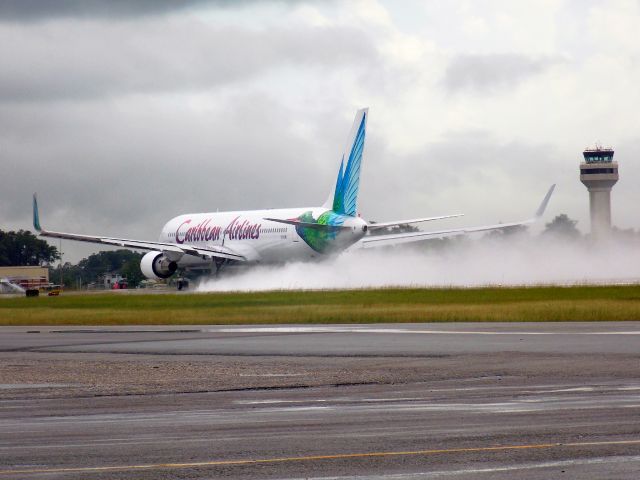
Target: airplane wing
(211, 252)
(400, 238)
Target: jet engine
(157, 266)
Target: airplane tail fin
(344, 198)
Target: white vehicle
(211, 240)
(6, 286)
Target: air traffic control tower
(599, 173)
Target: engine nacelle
(157, 266)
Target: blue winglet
(36, 214)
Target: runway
(461, 401)
(333, 340)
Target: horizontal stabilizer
(376, 226)
(319, 226)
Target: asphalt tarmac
(527, 401)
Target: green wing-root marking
(319, 239)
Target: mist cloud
(522, 262)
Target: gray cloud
(101, 169)
(35, 10)
(67, 60)
(486, 73)
(91, 118)
(121, 121)
(468, 172)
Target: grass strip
(353, 306)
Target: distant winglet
(545, 201)
(36, 214)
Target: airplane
(214, 240)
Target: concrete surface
(479, 401)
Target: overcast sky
(123, 114)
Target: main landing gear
(220, 263)
(182, 284)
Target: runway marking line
(338, 456)
(403, 331)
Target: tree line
(23, 248)
(88, 270)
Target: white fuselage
(249, 234)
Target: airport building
(599, 173)
(26, 277)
